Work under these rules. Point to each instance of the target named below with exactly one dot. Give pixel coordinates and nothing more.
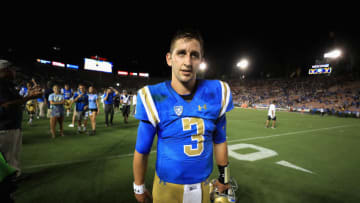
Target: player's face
(91, 89)
(185, 60)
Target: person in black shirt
(11, 109)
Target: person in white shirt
(271, 115)
(126, 102)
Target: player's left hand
(221, 187)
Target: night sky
(139, 41)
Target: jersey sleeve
(145, 107)
(226, 99)
(145, 137)
(220, 130)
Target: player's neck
(183, 88)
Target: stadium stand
(336, 95)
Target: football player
(188, 116)
(271, 115)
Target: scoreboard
(98, 65)
(320, 69)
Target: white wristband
(139, 189)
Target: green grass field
(79, 168)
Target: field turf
(321, 155)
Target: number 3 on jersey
(199, 137)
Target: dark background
(276, 41)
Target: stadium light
(333, 54)
(243, 64)
(203, 66)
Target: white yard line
(285, 134)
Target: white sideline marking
(284, 134)
(290, 165)
(82, 161)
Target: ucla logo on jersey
(178, 110)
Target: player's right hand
(221, 187)
(145, 197)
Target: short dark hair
(187, 33)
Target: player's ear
(168, 59)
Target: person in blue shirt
(24, 89)
(189, 117)
(94, 109)
(57, 101)
(81, 101)
(109, 105)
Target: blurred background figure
(109, 105)
(57, 101)
(11, 112)
(125, 100)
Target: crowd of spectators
(333, 95)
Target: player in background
(188, 116)
(94, 109)
(31, 110)
(271, 115)
(109, 105)
(125, 100)
(68, 93)
(81, 101)
(322, 110)
(57, 101)
(31, 104)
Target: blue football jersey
(67, 93)
(186, 130)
